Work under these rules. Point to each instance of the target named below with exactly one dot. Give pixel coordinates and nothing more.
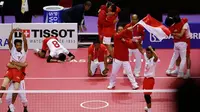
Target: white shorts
(94, 66)
(21, 95)
(107, 40)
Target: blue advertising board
(167, 43)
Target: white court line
(87, 78)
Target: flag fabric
(155, 27)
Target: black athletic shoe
(25, 109)
(8, 110)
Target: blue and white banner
(52, 14)
(168, 43)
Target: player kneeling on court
(57, 50)
(21, 95)
(97, 56)
(149, 72)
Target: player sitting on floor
(18, 61)
(57, 50)
(149, 73)
(21, 95)
(97, 56)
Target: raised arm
(10, 44)
(154, 54)
(139, 46)
(25, 41)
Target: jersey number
(56, 44)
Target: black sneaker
(8, 110)
(25, 109)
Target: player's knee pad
(147, 98)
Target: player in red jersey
(101, 18)
(180, 46)
(97, 56)
(121, 58)
(137, 33)
(18, 60)
(57, 50)
(109, 27)
(188, 60)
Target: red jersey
(44, 43)
(176, 28)
(101, 19)
(109, 25)
(138, 30)
(97, 54)
(121, 49)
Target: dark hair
(97, 41)
(169, 21)
(172, 17)
(147, 49)
(114, 8)
(62, 57)
(17, 41)
(108, 4)
(88, 3)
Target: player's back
(54, 44)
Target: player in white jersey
(149, 73)
(57, 51)
(16, 73)
(21, 95)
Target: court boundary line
(93, 78)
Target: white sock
(37, 50)
(177, 68)
(188, 71)
(149, 109)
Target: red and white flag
(155, 27)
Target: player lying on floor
(97, 56)
(57, 51)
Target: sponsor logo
(53, 17)
(153, 38)
(3, 42)
(40, 33)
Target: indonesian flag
(155, 27)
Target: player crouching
(97, 56)
(57, 51)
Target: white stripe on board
(85, 78)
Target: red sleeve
(90, 50)
(44, 44)
(118, 10)
(128, 25)
(103, 7)
(130, 44)
(141, 31)
(104, 49)
(185, 20)
(101, 17)
(119, 35)
(109, 21)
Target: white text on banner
(4, 34)
(36, 32)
